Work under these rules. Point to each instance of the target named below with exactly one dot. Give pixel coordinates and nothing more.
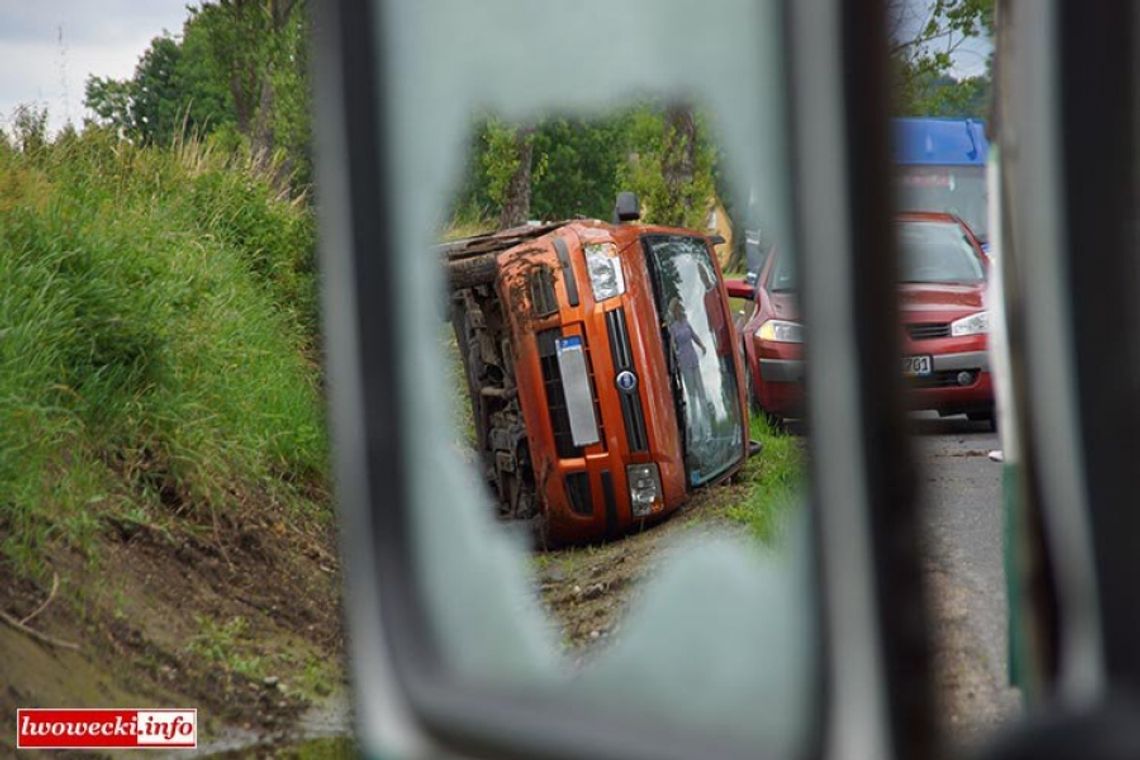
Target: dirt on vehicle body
(600, 362)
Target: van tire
(469, 273)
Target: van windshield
(699, 340)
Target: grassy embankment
(770, 482)
(156, 343)
(162, 443)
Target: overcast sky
(48, 48)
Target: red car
(944, 323)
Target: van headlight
(781, 331)
(604, 266)
(975, 324)
(644, 488)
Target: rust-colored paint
(588, 320)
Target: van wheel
(468, 273)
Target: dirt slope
(588, 589)
(242, 623)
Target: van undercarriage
(483, 338)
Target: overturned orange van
(600, 360)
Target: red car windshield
(937, 252)
(930, 252)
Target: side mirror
(738, 288)
(717, 239)
(627, 208)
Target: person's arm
(697, 340)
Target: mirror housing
(627, 208)
(717, 239)
(738, 288)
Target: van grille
(622, 354)
(556, 394)
(943, 378)
(928, 330)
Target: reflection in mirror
(946, 305)
(600, 388)
(602, 534)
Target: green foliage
(773, 479)
(226, 644)
(576, 167)
(29, 129)
(112, 102)
(239, 65)
(291, 116)
(580, 165)
(156, 316)
(156, 96)
(499, 159)
(923, 48)
(176, 89)
(653, 141)
(946, 96)
(277, 242)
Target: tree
(156, 102)
(240, 64)
(559, 168)
(576, 167)
(671, 164)
(924, 39)
(29, 129)
(516, 192)
(257, 43)
(111, 100)
(175, 88)
(947, 96)
(681, 194)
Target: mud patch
(238, 619)
(587, 590)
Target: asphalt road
(962, 549)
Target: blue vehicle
(941, 166)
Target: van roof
(941, 142)
(501, 240)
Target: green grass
(772, 481)
(226, 644)
(157, 342)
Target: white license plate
(917, 366)
(576, 387)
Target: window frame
(873, 658)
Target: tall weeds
(157, 341)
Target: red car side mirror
(739, 288)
